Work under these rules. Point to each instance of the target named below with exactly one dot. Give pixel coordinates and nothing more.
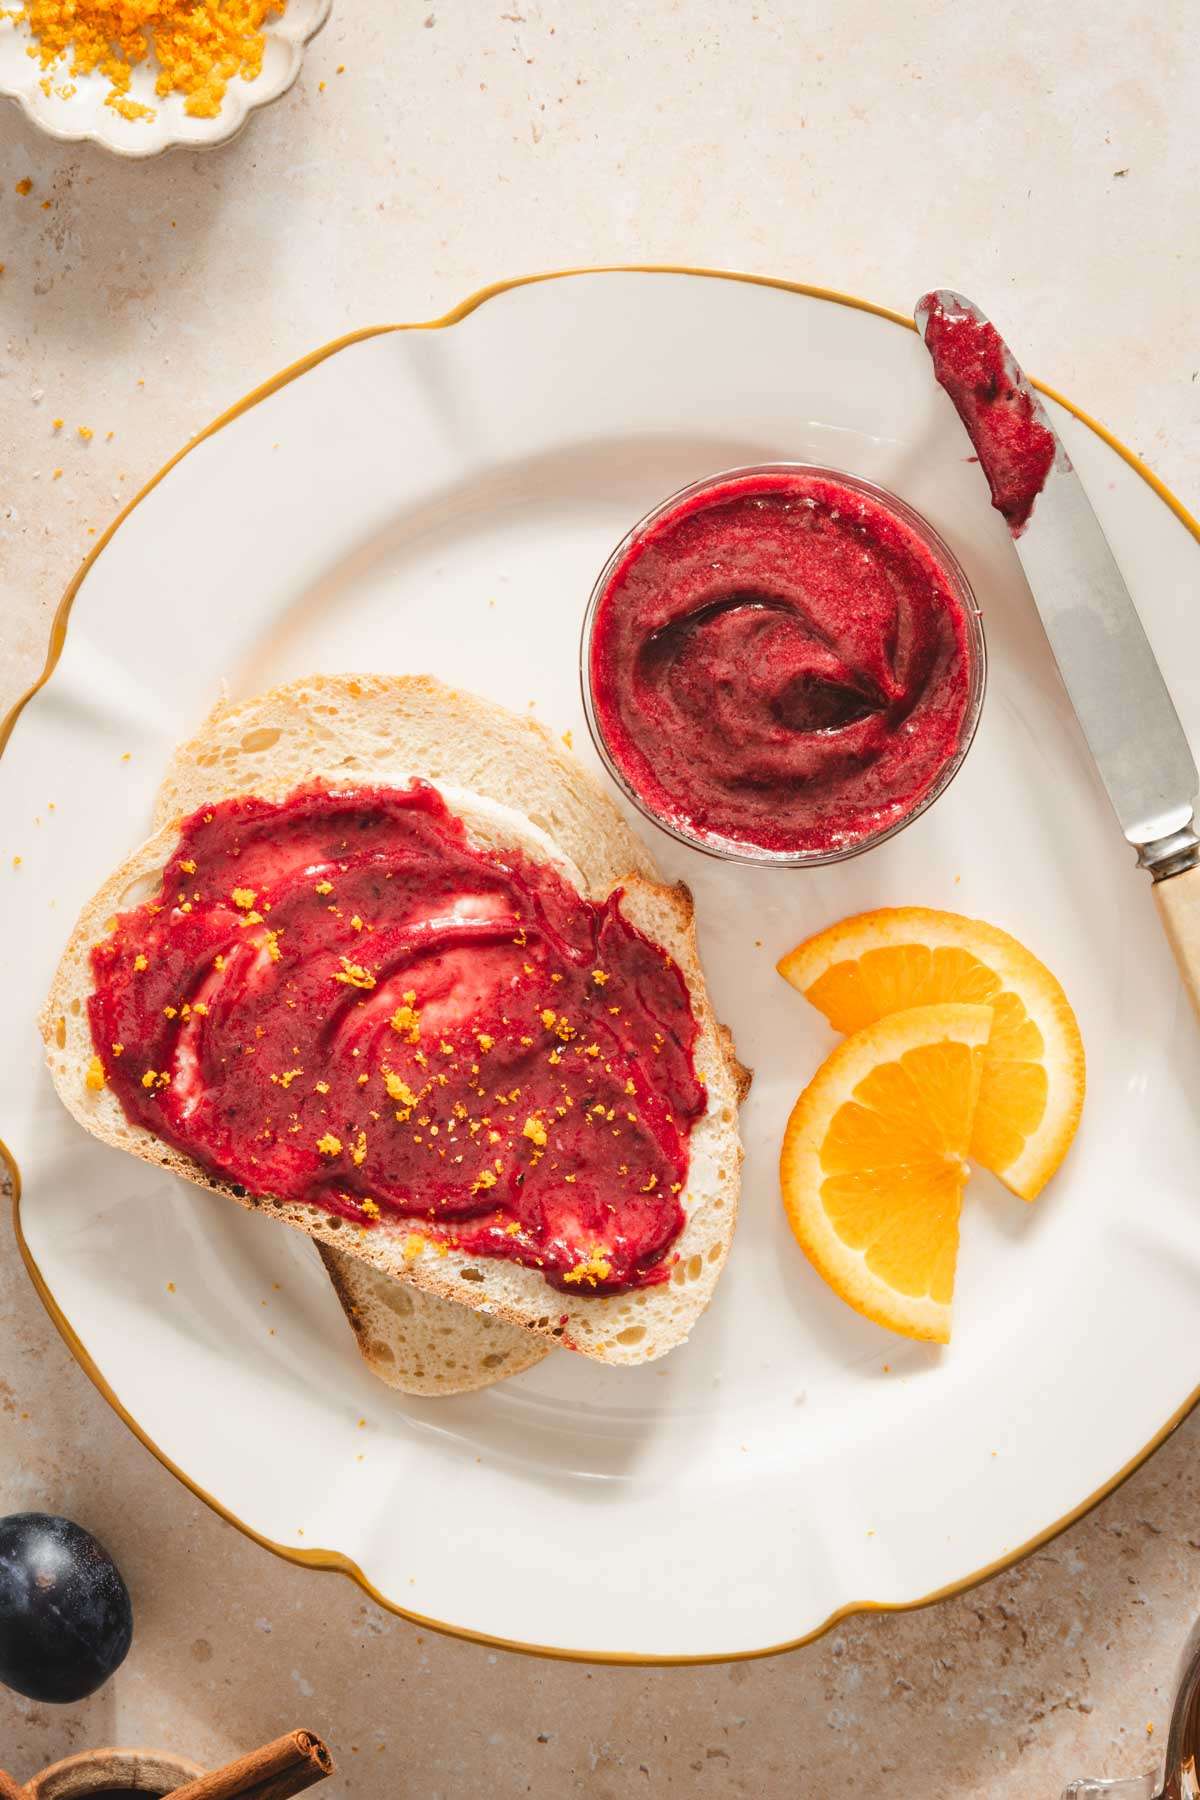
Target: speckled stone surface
(1052, 172)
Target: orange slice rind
(874, 1162)
(1032, 1087)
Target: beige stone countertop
(1044, 160)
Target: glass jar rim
(740, 851)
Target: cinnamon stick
(275, 1772)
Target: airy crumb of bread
(420, 1344)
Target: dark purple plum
(65, 1618)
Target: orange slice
(874, 1163)
(1031, 1094)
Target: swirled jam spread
(340, 999)
(780, 662)
(1003, 417)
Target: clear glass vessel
(730, 847)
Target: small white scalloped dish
(73, 108)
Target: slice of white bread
(348, 728)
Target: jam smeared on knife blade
(780, 661)
(339, 999)
(1003, 416)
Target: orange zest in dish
(199, 49)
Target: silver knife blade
(1109, 670)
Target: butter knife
(1103, 655)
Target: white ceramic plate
(441, 500)
(72, 107)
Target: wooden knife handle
(1178, 900)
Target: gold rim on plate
(335, 1559)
